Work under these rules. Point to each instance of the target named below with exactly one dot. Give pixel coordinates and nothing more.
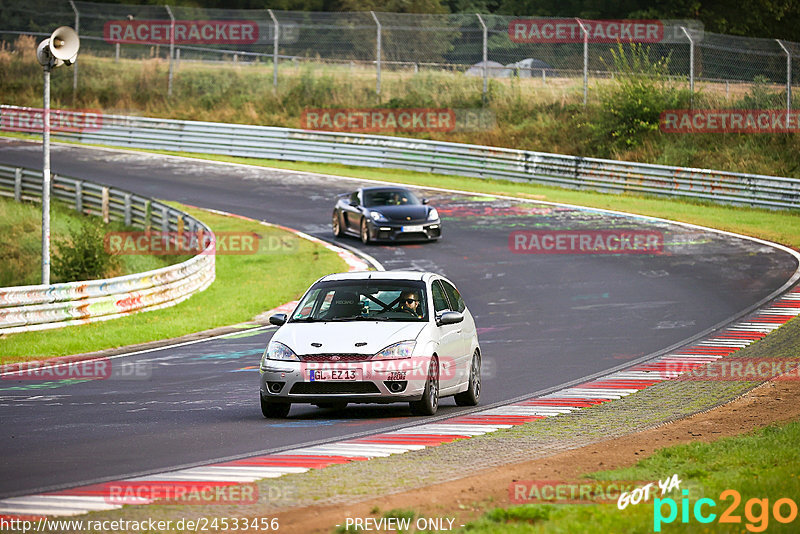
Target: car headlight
(279, 351)
(433, 214)
(378, 216)
(404, 349)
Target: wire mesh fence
(484, 46)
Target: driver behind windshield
(409, 303)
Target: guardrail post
(377, 56)
(691, 67)
(171, 48)
(585, 61)
(127, 209)
(116, 53)
(788, 80)
(18, 184)
(177, 58)
(148, 215)
(485, 58)
(79, 197)
(275, 42)
(164, 219)
(104, 204)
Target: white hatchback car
(373, 337)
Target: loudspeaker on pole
(59, 49)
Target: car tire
(472, 395)
(336, 225)
(429, 402)
(275, 410)
(364, 232)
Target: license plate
(413, 228)
(322, 375)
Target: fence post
(788, 80)
(485, 57)
(79, 197)
(585, 61)
(275, 42)
(148, 215)
(18, 184)
(75, 65)
(378, 55)
(104, 204)
(116, 53)
(171, 48)
(127, 209)
(177, 58)
(691, 66)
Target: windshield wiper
(305, 320)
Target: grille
(335, 357)
(324, 388)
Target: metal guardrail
(41, 307)
(426, 156)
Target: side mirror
(449, 317)
(279, 319)
(425, 200)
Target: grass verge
(246, 284)
(21, 243)
(760, 466)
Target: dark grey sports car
(385, 214)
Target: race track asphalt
(544, 320)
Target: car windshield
(363, 300)
(390, 197)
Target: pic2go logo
(756, 511)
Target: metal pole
(585, 61)
(485, 58)
(171, 48)
(788, 79)
(46, 179)
(691, 67)
(378, 55)
(275, 39)
(75, 65)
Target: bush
(82, 255)
(761, 97)
(631, 106)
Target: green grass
(21, 243)
(760, 465)
(246, 284)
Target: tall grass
(531, 114)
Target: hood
(341, 337)
(415, 212)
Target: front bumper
(383, 381)
(408, 231)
